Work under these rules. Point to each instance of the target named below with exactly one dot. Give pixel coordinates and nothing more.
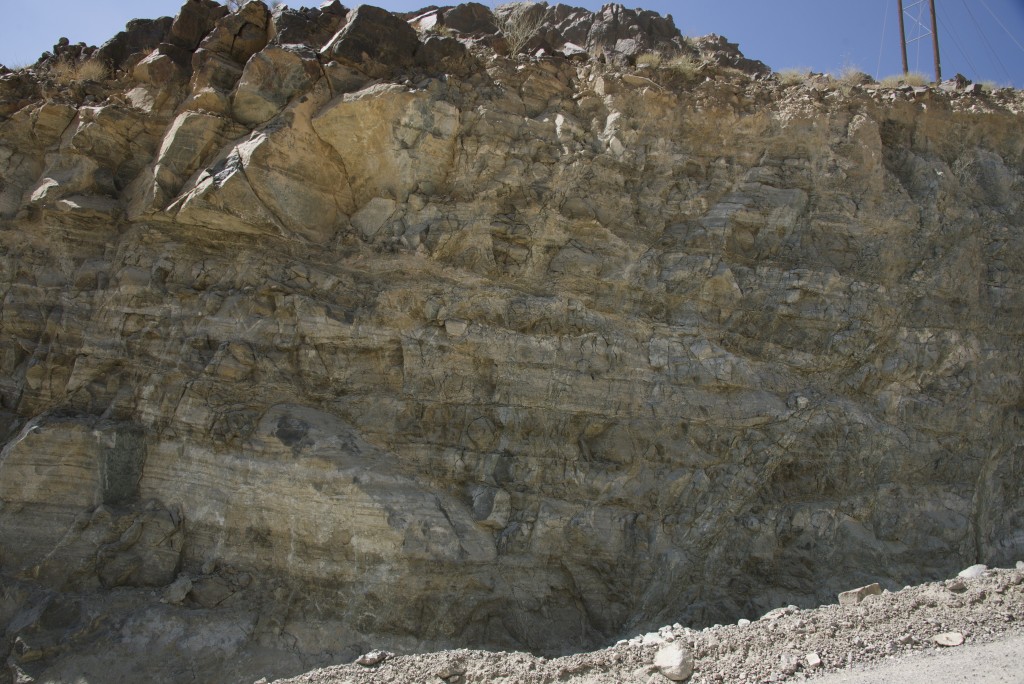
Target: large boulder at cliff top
(194, 21)
(470, 17)
(309, 27)
(139, 36)
(375, 34)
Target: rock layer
(429, 346)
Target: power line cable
(984, 39)
(881, 46)
(960, 49)
(1002, 25)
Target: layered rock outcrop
(331, 342)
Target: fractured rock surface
(417, 344)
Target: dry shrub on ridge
(66, 72)
(517, 24)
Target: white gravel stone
(973, 571)
(373, 658)
(855, 596)
(674, 662)
(789, 663)
(949, 639)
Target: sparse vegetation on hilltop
(789, 77)
(67, 72)
(911, 79)
(518, 23)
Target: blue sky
(983, 39)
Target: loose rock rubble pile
(786, 644)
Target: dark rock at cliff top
(311, 27)
(375, 34)
(139, 36)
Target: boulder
(269, 80)
(263, 176)
(167, 64)
(674, 661)
(239, 35)
(309, 27)
(139, 35)
(470, 17)
(972, 572)
(373, 34)
(373, 658)
(855, 596)
(445, 55)
(195, 19)
(385, 160)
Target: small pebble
(949, 639)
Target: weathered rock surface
(401, 343)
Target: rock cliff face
(326, 329)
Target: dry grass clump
(853, 76)
(911, 79)
(684, 65)
(650, 59)
(788, 77)
(66, 72)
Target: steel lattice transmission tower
(923, 31)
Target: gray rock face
(375, 34)
(470, 17)
(515, 356)
(614, 29)
(139, 36)
(308, 27)
(194, 21)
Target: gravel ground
(999, 662)
(884, 630)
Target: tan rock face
(518, 359)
